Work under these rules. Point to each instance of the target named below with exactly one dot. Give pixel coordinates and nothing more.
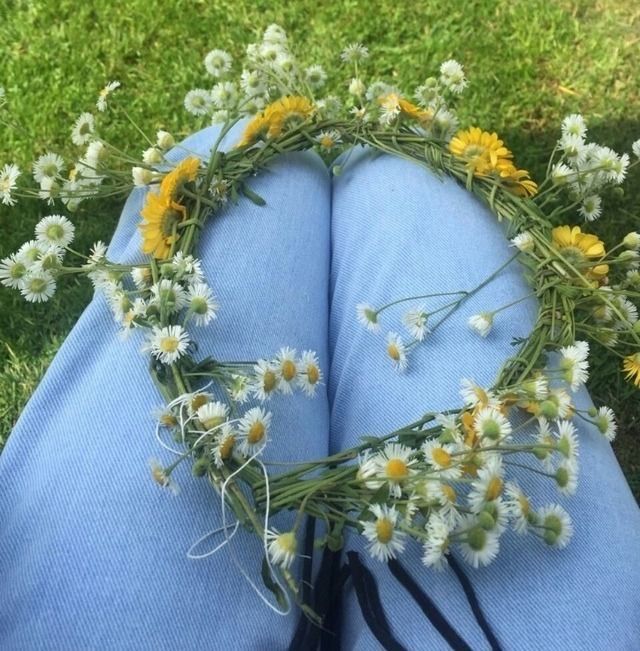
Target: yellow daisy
(160, 219)
(184, 172)
(483, 152)
(286, 113)
(580, 249)
(518, 182)
(256, 128)
(631, 366)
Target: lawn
(529, 62)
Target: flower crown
(443, 480)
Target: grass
(530, 62)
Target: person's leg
(397, 230)
(92, 552)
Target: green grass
(530, 62)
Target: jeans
(93, 553)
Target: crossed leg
(398, 231)
(92, 553)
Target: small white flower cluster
(34, 267)
(452, 489)
(415, 322)
(585, 169)
(284, 374)
(8, 183)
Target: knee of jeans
(398, 230)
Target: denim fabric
(92, 553)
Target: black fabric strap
(474, 604)
(428, 608)
(369, 600)
(331, 635)
(298, 641)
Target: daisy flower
(168, 344)
(354, 53)
(101, 104)
(98, 254)
(239, 388)
(12, 271)
(286, 367)
(448, 500)
(389, 108)
(169, 295)
(164, 140)
(385, 540)
(202, 304)
(605, 421)
(224, 95)
(357, 87)
(479, 547)
(392, 465)
(212, 414)
(472, 394)
(152, 156)
(440, 457)
(574, 364)
(635, 148)
(225, 441)
(591, 207)
(37, 285)
(491, 426)
(367, 316)
(142, 277)
(574, 125)
(315, 76)
(188, 268)
(275, 34)
(83, 129)
(252, 430)
(282, 548)
(162, 477)
(415, 321)
(556, 523)
(632, 240)
(8, 176)
(47, 166)
(437, 545)
(252, 83)
(328, 139)
(452, 76)
(265, 381)
(488, 484)
(55, 230)
(397, 351)
(310, 375)
(481, 323)
(198, 101)
(218, 63)
(566, 476)
(631, 366)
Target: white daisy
(142, 277)
(354, 53)
(164, 140)
(188, 268)
(415, 321)
(101, 104)
(315, 76)
(555, 524)
(567, 443)
(537, 388)
(385, 540)
(31, 251)
(224, 95)
(212, 414)
(448, 500)
(628, 310)
(446, 124)
(635, 148)
(488, 484)
(481, 323)
(218, 63)
(83, 129)
(202, 304)
(282, 547)
(252, 83)
(557, 405)
(47, 166)
(449, 425)
(574, 125)
(162, 477)
(357, 87)
(566, 476)
(441, 457)
(491, 426)
(239, 388)
(632, 240)
(152, 156)
(452, 76)
(393, 465)
(55, 230)
(573, 147)
(12, 271)
(437, 545)
(265, 382)
(478, 546)
(8, 176)
(574, 364)
(253, 430)
(605, 421)
(169, 295)
(310, 375)
(561, 173)
(591, 207)
(198, 101)
(168, 344)
(225, 440)
(397, 351)
(37, 285)
(274, 34)
(389, 108)
(472, 394)
(367, 316)
(286, 367)
(328, 139)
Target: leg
(92, 553)
(396, 231)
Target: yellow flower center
(169, 344)
(449, 492)
(210, 423)
(397, 469)
(256, 432)
(326, 141)
(313, 374)
(198, 401)
(524, 504)
(269, 381)
(384, 530)
(494, 488)
(441, 457)
(393, 352)
(226, 447)
(288, 370)
(168, 420)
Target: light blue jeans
(93, 554)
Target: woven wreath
(441, 480)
